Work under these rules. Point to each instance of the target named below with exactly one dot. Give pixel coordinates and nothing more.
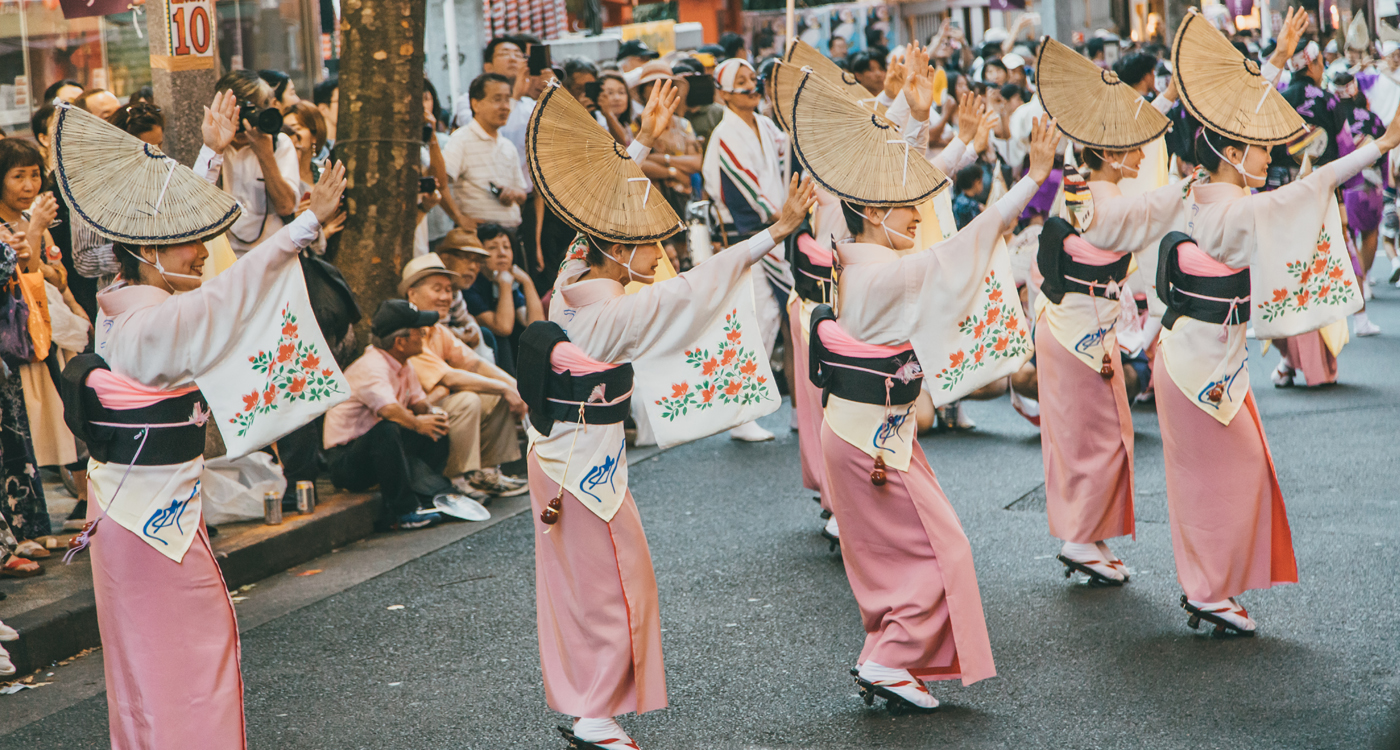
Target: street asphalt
(760, 626)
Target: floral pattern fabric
(23, 507)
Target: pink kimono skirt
(807, 402)
(910, 567)
(599, 619)
(170, 644)
(1086, 440)
(1309, 353)
(1229, 527)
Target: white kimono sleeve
(1126, 224)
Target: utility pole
(379, 137)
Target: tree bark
(378, 134)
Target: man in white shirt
(258, 169)
(484, 167)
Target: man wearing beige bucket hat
(461, 251)
(480, 398)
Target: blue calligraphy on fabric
(603, 473)
(889, 430)
(169, 516)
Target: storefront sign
(85, 8)
(189, 34)
(658, 35)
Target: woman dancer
(908, 561)
(599, 625)
(1229, 526)
(1086, 426)
(168, 628)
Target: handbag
(331, 299)
(16, 345)
(31, 286)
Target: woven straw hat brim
(128, 190)
(1090, 104)
(853, 153)
(1225, 91)
(588, 180)
(803, 55)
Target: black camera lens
(267, 120)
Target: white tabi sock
(598, 730)
(912, 688)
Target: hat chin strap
(631, 275)
(889, 231)
(1120, 166)
(1239, 167)
(164, 274)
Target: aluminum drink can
(306, 496)
(272, 508)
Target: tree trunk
(378, 136)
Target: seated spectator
(480, 399)
(969, 186)
(503, 299)
(462, 252)
(387, 433)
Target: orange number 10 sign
(190, 34)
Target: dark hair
(731, 43)
(127, 258)
(1206, 156)
(477, 90)
(595, 256)
(1135, 67)
(855, 219)
(765, 71)
(138, 118)
(861, 61)
(245, 84)
(687, 66)
(994, 63)
(763, 39)
(489, 53)
(431, 90)
(16, 153)
(491, 230)
(1010, 89)
(524, 40)
(1094, 48)
(277, 80)
(143, 94)
(321, 94)
(968, 177)
(874, 36)
(52, 90)
(1092, 159)
(39, 122)
(575, 65)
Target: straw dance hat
(128, 190)
(1225, 91)
(803, 55)
(1090, 104)
(588, 180)
(852, 152)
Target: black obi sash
(1209, 299)
(861, 379)
(811, 281)
(557, 397)
(1062, 274)
(165, 427)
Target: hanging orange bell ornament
(1107, 369)
(877, 477)
(550, 515)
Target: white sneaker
(7, 667)
(1362, 326)
(1229, 610)
(1091, 557)
(605, 733)
(750, 432)
(461, 506)
(8, 633)
(898, 681)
